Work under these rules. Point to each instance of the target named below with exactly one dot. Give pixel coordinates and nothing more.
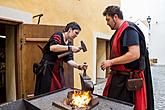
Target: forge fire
(78, 99)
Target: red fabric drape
(140, 95)
(107, 85)
(55, 83)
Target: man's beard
(113, 28)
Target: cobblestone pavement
(98, 89)
(158, 77)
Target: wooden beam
(36, 39)
(9, 21)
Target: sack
(134, 84)
(38, 68)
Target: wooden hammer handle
(64, 54)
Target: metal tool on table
(84, 74)
(87, 85)
(83, 47)
(86, 82)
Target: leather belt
(120, 72)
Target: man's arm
(132, 55)
(64, 48)
(76, 65)
(58, 48)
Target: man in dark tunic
(128, 55)
(50, 76)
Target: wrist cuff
(69, 48)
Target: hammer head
(83, 47)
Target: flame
(81, 99)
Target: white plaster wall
(157, 42)
(14, 14)
(144, 29)
(141, 9)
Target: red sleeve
(57, 39)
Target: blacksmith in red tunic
(50, 75)
(128, 54)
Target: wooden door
(31, 36)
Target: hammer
(83, 47)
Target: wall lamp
(149, 22)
